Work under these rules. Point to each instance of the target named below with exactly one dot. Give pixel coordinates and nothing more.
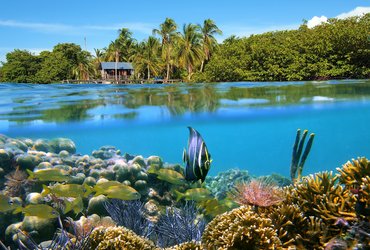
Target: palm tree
(147, 57)
(127, 44)
(84, 66)
(189, 48)
(168, 33)
(113, 53)
(209, 42)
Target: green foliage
(337, 49)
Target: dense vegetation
(336, 49)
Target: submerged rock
(96, 205)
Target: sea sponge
(240, 228)
(351, 173)
(118, 238)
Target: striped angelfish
(197, 158)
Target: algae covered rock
(60, 144)
(112, 238)
(96, 205)
(40, 229)
(34, 198)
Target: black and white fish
(197, 158)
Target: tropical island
(336, 49)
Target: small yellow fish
(121, 192)
(49, 174)
(168, 175)
(7, 204)
(67, 190)
(76, 205)
(39, 210)
(195, 194)
(105, 185)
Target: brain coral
(240, 228)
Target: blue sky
(41, 24)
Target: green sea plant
(241, 228)
(112, 238)
(298, 160)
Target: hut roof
(112, 65)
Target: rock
(34, 198)
(12, 231)
(108, 174)
(96, 205)
(42, 145)
(63, 144)
(63, 154)
(139, 160)
(44, 164)
(155, 161)
(142, 176)
(19, 144)
(78, 179)
(141, 186)
(41, 229)
(5, 159)
(26, 161)
(134, 168)
(91, 181)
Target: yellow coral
(118, 238)
(319, 195)
(192, 245)
(351, 173)
(240, 228)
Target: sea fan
(179, 225)
(130, 214)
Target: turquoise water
(250, 126)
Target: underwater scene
(267, 165)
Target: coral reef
(118, 238)
(240, 228)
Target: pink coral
(257, 192)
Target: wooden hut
(124, 70)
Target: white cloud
(358, 11)
(145, 28)
(316, 21)
(245, 31)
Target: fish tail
(46, 191)
(18, 210)
(68, 207)
(179, 195)
(31, 174)
(88, 191)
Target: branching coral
(294, 229)
(319, 195)
(240, 228)
(351, 173)
(261, 193)
(192, 245)
(112, 238)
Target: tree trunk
(201, 66)
(115, 68)
(148, 73)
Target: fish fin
(179, 195)
(68, 207)
(152, 170)
(46, 190)
(31, 174)
(88, 191)
(184, 158)
(18, 210)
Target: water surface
(250, 126)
